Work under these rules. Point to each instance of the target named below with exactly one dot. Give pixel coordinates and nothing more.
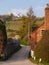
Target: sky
(21, 6)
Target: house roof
(37, 25)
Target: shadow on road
(21, 55)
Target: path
(19, 58)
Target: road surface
(19, 58)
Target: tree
(30, 12)
(30, 19)
(27, 22)
(11, 16)
(24, 26)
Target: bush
(22, 42)
(3, 29)
(42, 48)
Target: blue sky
(16, 6)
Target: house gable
(36, 34)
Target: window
(42, 32)
(30, 36)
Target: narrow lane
(19, 58)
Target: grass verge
(37, 61)
(26, 43)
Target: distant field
(13, 26)
(16, 25)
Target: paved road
(19, 58)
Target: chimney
(47, 16)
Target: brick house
(37, 33)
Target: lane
(19, 58)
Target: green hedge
(22, 42)
(3, 29)
(42, 48)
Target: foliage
(13, 27)
(22, 42)
(12, 46)
(27, 23)
(42, 48)
(36, 61)
(30, 19)
(21, 25)
(3, 29)
(30, 12)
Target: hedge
(3, 29)
(42, 48)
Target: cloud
(39, 11)
(18, 12)
(39, 8)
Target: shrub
(42, 48)
(3, 29)
(22, 42)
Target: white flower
(34, 57)
(40, 60)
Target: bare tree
(30, 12)
(30, 15)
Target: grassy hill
(19, 27)
(13, 26)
